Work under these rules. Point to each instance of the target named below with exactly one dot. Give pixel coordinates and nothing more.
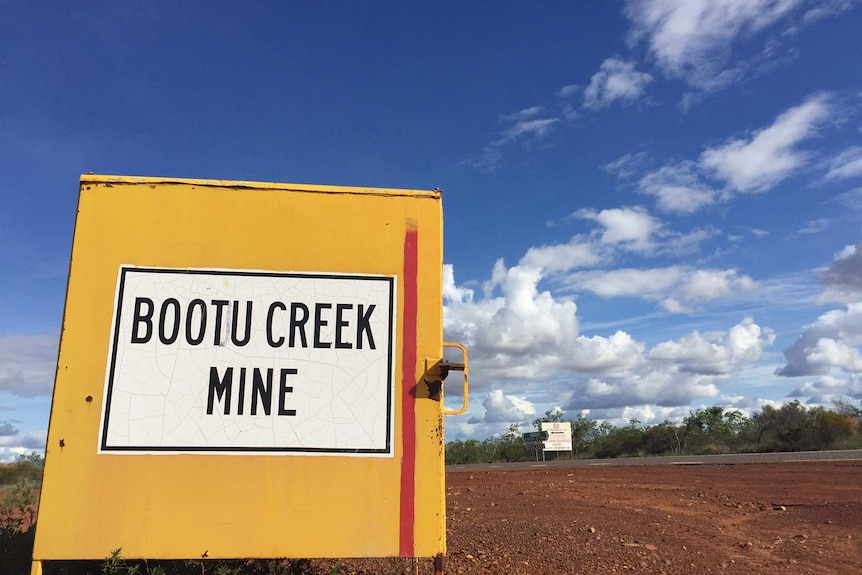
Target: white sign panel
(232, 361)
(559, 436)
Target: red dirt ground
(728, 519)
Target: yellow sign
(243, 373)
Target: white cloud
(502, 408)
(661, 387)
(705, 284)
(616, 80)
(827, 390)
(523, 115)
(634, 228)
(652, 284)
(11, 446)
(569, 90)
(27, 364)
(830, 344)
(693, 39)
(579, 252)
(677, 372)
(679, 289)
(7, 429)
(843, 279)
(626, 230)
(847, 164)
(646, 414)
(614, 356)
(752, 164)
(517, 332)
(746, 405)
(521, 125)
(758, 163)
(677, 189)
(716, 353)
(850, 200)
(815, 226)
(452, 292)
(537, 128)
(525, 341)
(827, 8)
(626, 166)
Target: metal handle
(458, 367)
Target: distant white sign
(232, 361)
(559, 436)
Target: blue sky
(650, 205)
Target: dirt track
(732, 519)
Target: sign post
(533, 441)
(559, 436)
(242, 374)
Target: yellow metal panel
(184, 504)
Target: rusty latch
(438, 375)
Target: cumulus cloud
(524, 336)
(679, 289)
(758, 163)
(11, 446)
(648, 414)
(578, 252)
(662, 387)
(842, 281)
(828, 345)
(616, 81)
(27, 364)
(452, 292)
(502, 408)
(676, 372)
(677, 189)
(518, 332)
(628, 282)
(620, 230)
(826, 390)
(847, 164)
(693, 39)
(633, 228)
(716, 353)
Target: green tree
(551, 416)
(464, 451)
(794, 426)
(623, 441)
(850, 411)
(830, 427)
(506, 447)
(512, 445)
(763, 425)
(584, 432)
(665, 437)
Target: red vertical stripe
(408, 383)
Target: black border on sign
(105, 448)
